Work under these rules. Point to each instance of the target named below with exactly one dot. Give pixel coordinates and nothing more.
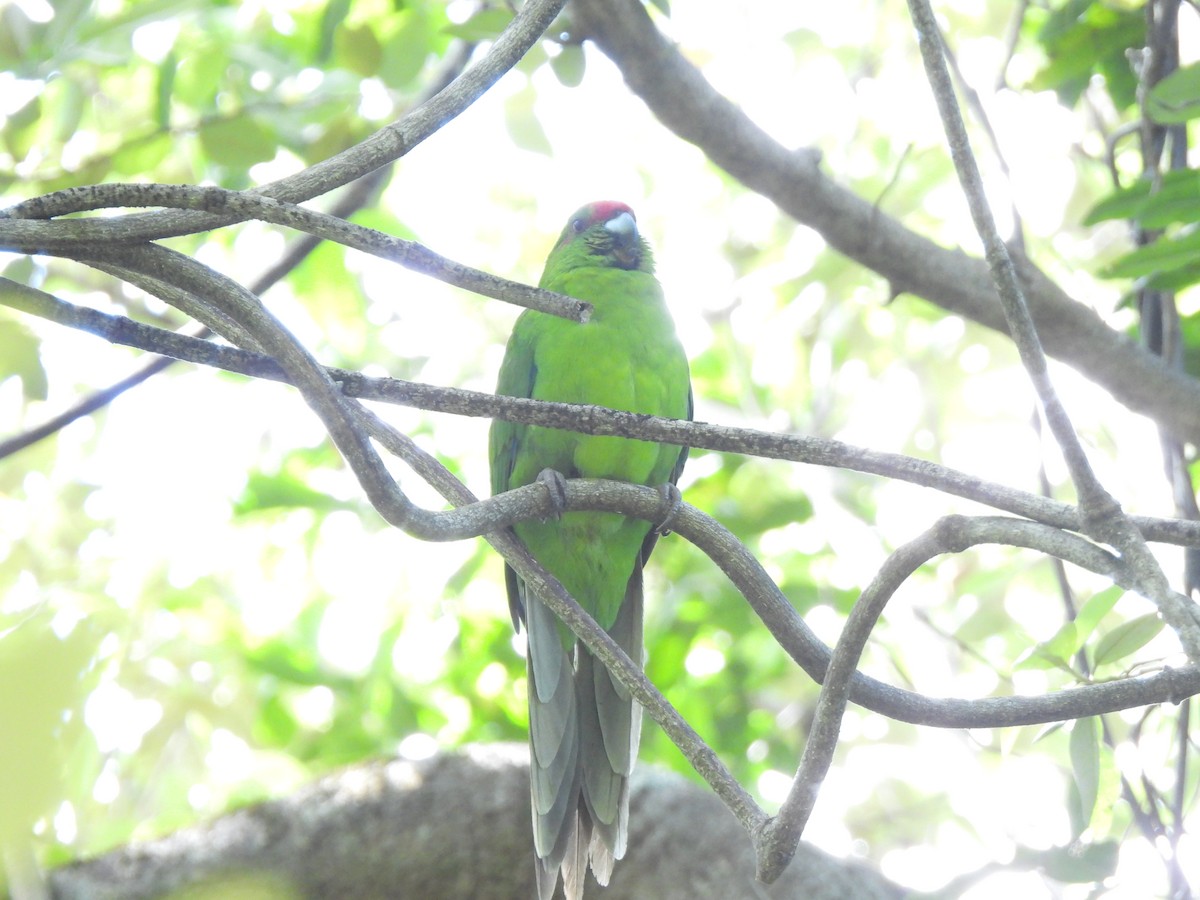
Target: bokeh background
(198, 609)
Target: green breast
(626, 357)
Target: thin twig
(30, 228)
(782, 835)
(747, 575)
(951, 534)
(356, 197)
(679, 96)
(975, 103)
(551, 592)
(588, 419)
(1102, 514)
(392, 141)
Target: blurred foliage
(198, 608)
(1084, 39)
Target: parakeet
(583, 726)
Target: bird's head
(605, 233)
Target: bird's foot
(673, 502)
(556, 487)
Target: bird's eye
(577, 225)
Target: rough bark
(455, 826)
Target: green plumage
(583, 726)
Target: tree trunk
(455, 826)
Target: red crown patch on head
(608, 209)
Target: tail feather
(605, 774)
(553, 735)
(584, 735)
(602, 858)
(546, 873)
(575, 862)
(610, 724)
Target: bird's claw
(556, 487)
(673, 501)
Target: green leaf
(1055, 653)
(333, 16)
(44, 682)
(336, 300)
(238, 142)
(359, 50)
(1073, 864)
(20, 130)
(1173, 281)
(275, 726)
(1083, 38)
(73, 23)
(1176, 98)
(164, 87)
(339, 132)
(483, 26)
(1164, 255)
(1189, 328)
(20, 356)
(282, 490)
(1128, 638)
(523, 126)
(403, 54)
(1094, 610)
(1058, 652)
(1064, 644)
(569, 65)
(17, 33)
(1177, 200)
(294, 662)
(68, 108)
(142, 156)
(200, 74)
(1085, 767)
(1064, 19)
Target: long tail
(583, 733)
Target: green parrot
(583, 726)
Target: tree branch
(366, 832)
(351, 200)
(589, 419)
(480, 517)
(486, 515)
(703, 759)
(1103, 516)
(688, 105)
(349, 431)
(21, 230)
(951, 534)
(389, 143)
(357, 195)
(239, 315)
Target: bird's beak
(626, 246)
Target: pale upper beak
(624, 231)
